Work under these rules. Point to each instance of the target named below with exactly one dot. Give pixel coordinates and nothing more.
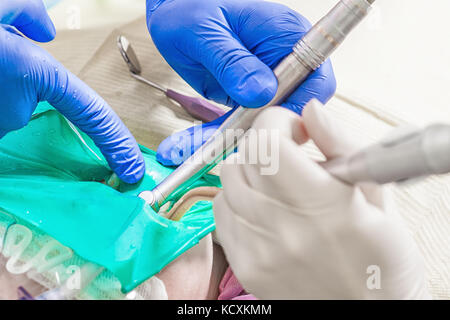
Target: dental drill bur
(308, 54)
(196, 107)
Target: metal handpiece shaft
(407, 156)
(308, 54)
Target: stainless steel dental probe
(308, 54)
(403, 156)
(198, 108)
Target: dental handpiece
(403, 156)
(308, 54)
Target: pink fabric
(231, 289)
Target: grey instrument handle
(308, 54)
(402, 157)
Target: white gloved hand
(301, 233)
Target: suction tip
(147, 196)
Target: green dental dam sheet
(51, 179)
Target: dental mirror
(129, 55)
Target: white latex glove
(301, 233)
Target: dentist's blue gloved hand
(28, 75)
(226, 50)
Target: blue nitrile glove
(225, 49)
(28, 75)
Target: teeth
(113, 181)
(164, 210)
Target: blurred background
(398, 60)
(93, 13)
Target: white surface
(95, 13)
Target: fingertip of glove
(163, 159)
(261, 99)
(175, 149)
(163, 155)
(314, 108)
(165, 151)
(132, 173)
(132, 179)
(49, 32)
(35, 23)
(44, 32)
(257, 89)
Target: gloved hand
(301, 233)
(30, 75)
(225, 49)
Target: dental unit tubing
(308, 54)
(402, 157)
